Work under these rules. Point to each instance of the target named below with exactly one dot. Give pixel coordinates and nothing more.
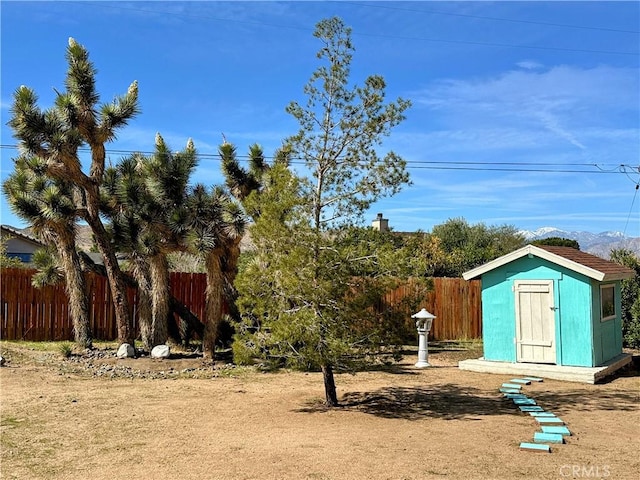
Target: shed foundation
(556, 372)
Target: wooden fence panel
(28, 313)
(189, 288)
(455, 302)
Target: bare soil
(96, 417)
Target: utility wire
(499, 19)
(199, 17)
(216, 156)
(624, 170)
(492, 44)
(635, 194)
(376, 35)
(429, 164)
(498, 169)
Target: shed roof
(575, 260)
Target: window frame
(613, 314)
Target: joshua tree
(48, 207)
(146, 201)
(55, 135)
(216, 227)
(242, 183)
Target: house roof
(575, 260)
(8, 230)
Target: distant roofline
(18, 233)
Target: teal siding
(581, 339)
(607, 336)
(574, 320)
(498, 318)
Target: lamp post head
(423, 319)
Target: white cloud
(559, 86)
(553, 106)
(530, 65)
(552, 123)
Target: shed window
(607, 302)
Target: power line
(516, 163)
(635, 194)
(500, 19)
(379, 35)
(431, 164)
(499, 169)
(502, 45)
(199, 17)
(637, 169)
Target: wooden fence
(42, 314)
(455, 302)
(28, 313)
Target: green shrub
(631, 333)
(244, 349)
(65, 349)
(630, 298)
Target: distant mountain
(599, 244)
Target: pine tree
(301, 277)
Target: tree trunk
(76, 291)
(213, 305)
(331, 398)
(117, 283)
(159, 268)
(229, 264)
(142, 276)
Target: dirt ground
(102, 418)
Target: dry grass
(61, 421)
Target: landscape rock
(160, 351)
(126, 351)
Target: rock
(160, 351)
(126, 351)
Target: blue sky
(518, 107)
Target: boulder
(160, 351)
(126, 351)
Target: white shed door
(535, 321)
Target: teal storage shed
(551, 305)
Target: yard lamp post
(424, 320)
